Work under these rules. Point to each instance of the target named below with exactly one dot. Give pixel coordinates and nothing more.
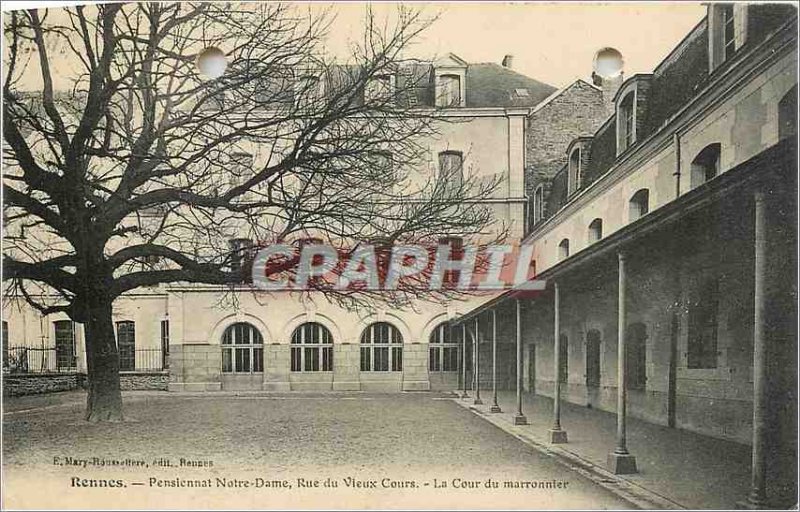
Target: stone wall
(142, 381)
(195, 367)
(37, 383)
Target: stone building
(669, 252)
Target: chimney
(608, 74)
(508, 61)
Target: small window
(703, 325)
(241, 254)
(379, 90)
(626, 119)
(538, 204)
(574, 171)
(595, 230)
(312, 348)
(563, 359)
(449, 91)
(728, 30)
(451, 168)
(126, 345)
(445, 348)
(242, 349)
(381, 348)
(705, 166)
(563, 249)
(639, 204)
(787, 115)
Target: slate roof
(492, 85)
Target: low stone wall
(19, 384)
(37, 383)
(138, 381)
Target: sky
(552, 42)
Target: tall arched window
(538, 204)
(787, 115)
(242, 349)
(381, 348)
(595, 230)
(312, 348)
(574, 171)
(705, 165)
(563, 249)
(445, 347)
(639, 204)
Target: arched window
(563, 359)
(787, 115)
(126, 344)
(242, 349)
(445, 347)
(636, 357)
(626, 119)
(639, 204)
(595, 230)
(381, 348)
(574, 171)
(563, 249)
(593, 358)
(705, 165)
(538, 204)
(312, 348)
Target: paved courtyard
(421, 438)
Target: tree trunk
(102, 360)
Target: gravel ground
(400, 436)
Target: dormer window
(627, 122)
(448, 91)
(574, 171)
(379, 89)
(727, 31)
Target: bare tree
(142, 170)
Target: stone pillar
(519, 418)
(415, 367)
(556, 433)
(347, 367)
(477, 339)
(277, 366)
(495, 407)
(758, 491)
(464, 361)
(620, 461)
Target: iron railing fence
(52, 360)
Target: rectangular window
(227, 360)
(728, 31)
(327, 359)
(311, 359)
(258, 360)
(397, 359)
(65, 344)
(451, 168)
(702, 342)
(381, 359)
(126, 345)
(296, 358)
(165, 344)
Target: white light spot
(212, 62)
(608, 62)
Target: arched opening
(593, 358)
(595, 230)
(381, 348)
(787, 115)
(636, 357)
(242, 349)
(563, 249)
(312, 348)
(639, 204)
(705, 165)
(444, 349)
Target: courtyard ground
(411, 445)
